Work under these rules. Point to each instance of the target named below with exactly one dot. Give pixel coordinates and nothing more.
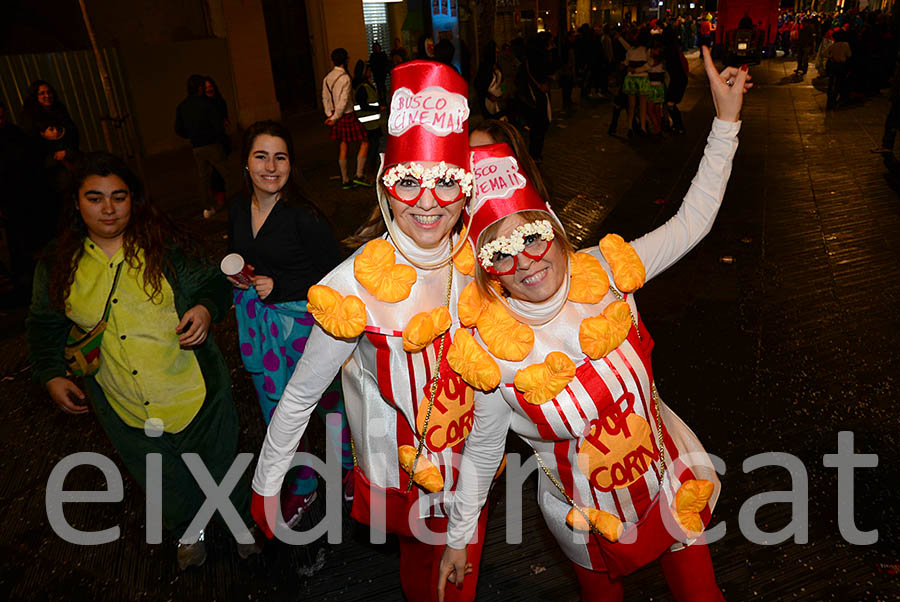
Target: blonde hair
(483, 277)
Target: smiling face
(533, 280)
(105, 206)
(209, 89)
(426, 222)
(268, 164)
(45, 96)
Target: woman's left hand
(728, 87)
(195, 324)
(263, 285)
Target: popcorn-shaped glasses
(410, 189)
(500, 256)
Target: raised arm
(670, 242)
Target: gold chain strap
(654, 393)
(433, 392)
(659, 435)
(562, 490)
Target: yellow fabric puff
(609, 526)
(542, 382)
(690, 500)
(601, 334)
(339, 316)
(427, 475)
(376, 269)
(589, 282)
(464, 260)
(472, 363)
(505, 337)
(470, 305)
(627, 268)
(424, 327)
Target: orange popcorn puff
(427, 475)
(341, 317)
(690, 500)
(589, 282)
(601, 334)
(627, 268)
(376, 269)
(472, 363)
(464, 260)
(542, 382)
(506, 337)
(424, 327)
(470, 305)
(609, 526)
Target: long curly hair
(148, 230)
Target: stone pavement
(774, 334)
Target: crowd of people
(855, 50)
(642, 69)
(462, 313)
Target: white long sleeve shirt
(616, 385)
(336, 94)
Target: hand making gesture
(728, 87)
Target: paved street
(776, 333)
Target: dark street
(775, 334)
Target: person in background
(534, 88)
(368, 109)
(25, 223)
(509, 66)
(489, 83)
(636, 84)
(217, 182)
(198, 120)
(677, 68)
(289, 244)
(345, 127)
(162, 386)
(42, 105)
(380, 65)
(398, 53)
(838, 55)
(57, 144)
(618, 72)
(444, 51)
(805, 42)
(656, 89)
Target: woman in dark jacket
(42, 106)
(290, 246)
(162, 389)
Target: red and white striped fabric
(607, 409)
(386, 391)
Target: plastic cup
(233, 265)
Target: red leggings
(420, 565)
(689, 573)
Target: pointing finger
(711, 70)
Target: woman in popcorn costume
(384, 316)
(555, 341)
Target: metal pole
(104, 76)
